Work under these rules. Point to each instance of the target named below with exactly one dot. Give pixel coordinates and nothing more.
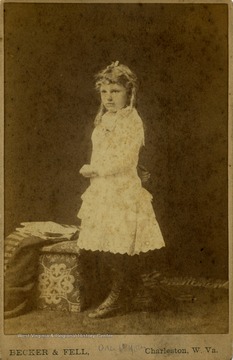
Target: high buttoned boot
(114, 303)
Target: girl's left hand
(87, 171)
(143, 173)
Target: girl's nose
(109, 96)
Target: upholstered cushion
(60, 281)
(22, 251)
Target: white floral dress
(116, 212)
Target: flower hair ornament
(113, 65)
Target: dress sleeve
(123, 148)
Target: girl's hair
(116, 74)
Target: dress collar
(109, 119)
(122, 113)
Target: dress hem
(121, 253)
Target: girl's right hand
(87, 171)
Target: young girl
(117, 218)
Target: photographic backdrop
(180, 55)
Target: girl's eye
(115, 91)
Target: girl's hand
(143, 173)
(87, 171)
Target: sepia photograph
(116, 234)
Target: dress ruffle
(118, 219)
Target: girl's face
(113, 96)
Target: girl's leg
(95, 282)
(120, 268)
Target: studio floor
(205, 311)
